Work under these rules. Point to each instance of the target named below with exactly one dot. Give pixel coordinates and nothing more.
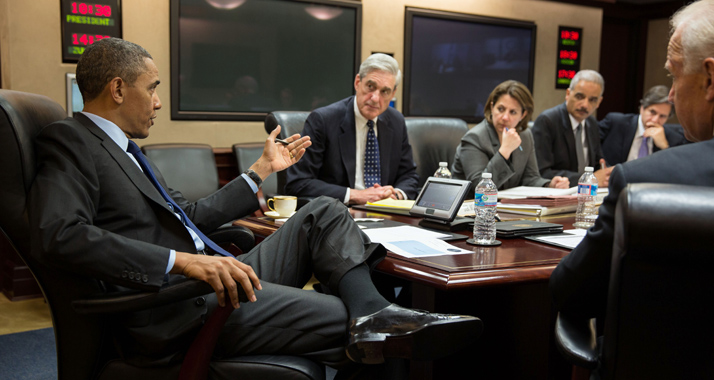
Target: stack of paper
(547, 201)
(391, 205)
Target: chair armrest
(241, 237)
(130, 301)
(577, 341)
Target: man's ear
(709, 74)
(117, 87)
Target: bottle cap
(442, 163)
(588, 168)
(486, 175)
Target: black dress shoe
(397, 332)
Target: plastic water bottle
(443, 171)
(485, 199)
(587, 192)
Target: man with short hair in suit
(579, 284)
(101, 210)
(360, 149)
(566, 136)
(626, 137)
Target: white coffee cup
(284, 205)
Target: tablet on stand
(439, 202)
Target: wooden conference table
(505, 286)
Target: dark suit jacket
(328, 167)
(617, 130)
(478, 151)
(555, 144)
(579, 284)
(99, 217)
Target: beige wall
(31, 47)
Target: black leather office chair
(188, 168)
(291, 122)
(434, 140)
(82, 322)
(246, 154)
(658, 323)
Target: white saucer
(275, 215)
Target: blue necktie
(144, 163)
(644, 149)
(372, 171)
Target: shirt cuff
(172, 261)
(404, 195)
(252, 184)
(347, 197)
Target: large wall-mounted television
(241, 59)
(452, 61)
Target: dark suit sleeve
(407, 178)
(605, 128)
(303, 178)
(579, 284)
(233, 201)
(64, 210)
(544, 136)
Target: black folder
(515, 228)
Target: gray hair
(381, 62)
(588, 76)
(697, 22)
(107, 59)
(657, 95)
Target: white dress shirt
(637, 141)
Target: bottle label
(587, 189)
(488, 200)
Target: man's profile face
(373, 93)
(687, 93)
(583, 99)
(655, 114)
(141, 101)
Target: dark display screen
(241, 59)
(453, 61)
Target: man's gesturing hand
(222, 273)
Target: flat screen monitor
(74, 97)
(241, 59)
(453, 61)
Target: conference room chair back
(188, 168)
(434, 140)
(658, 323)
(83, 313)
(291, 122)
(246, 154)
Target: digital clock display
(568, 60)
(83, 23)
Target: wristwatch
(254, 176)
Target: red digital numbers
(86, 39)
(92, 9)
(569, 35)
(567, 74)
(568, 54)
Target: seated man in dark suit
(360, 149)
(101, 210)
(579, 284)
(626, 137)
(566, 136)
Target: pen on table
(519, 147)
(281, 141)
